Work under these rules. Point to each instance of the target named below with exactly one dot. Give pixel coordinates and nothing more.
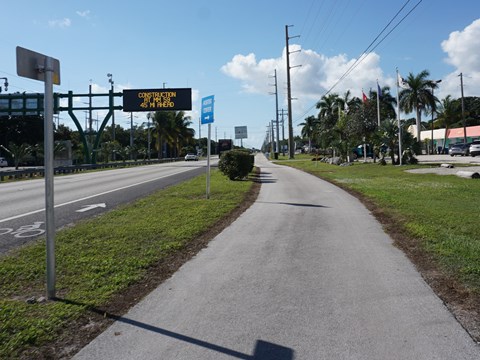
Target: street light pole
(463, 111)
(433, 108)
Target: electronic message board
(157, 99)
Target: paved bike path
(305, 273)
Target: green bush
(236, 164)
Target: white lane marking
(91, 207)
(91, 196)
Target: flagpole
(378, 103)
(399, 127)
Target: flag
(379, 90)
(402, 83)
(364, 97)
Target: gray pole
(276, 112)
(148, 134)
(208, 160)
(463, 111)
(90, 105)
(131, 129)
(399, 124)
(48, 168)
(291, 150)
(433, 91)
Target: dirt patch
(83, 330)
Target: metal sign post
(49, 205)
(44, 68)
(207, 118)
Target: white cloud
(62, 23)
(316, 75)
(84, 14)
(463, 52)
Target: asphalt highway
(305, 273)
(79, 196)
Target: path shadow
(263, 178)
(293, 204)
(263, 350)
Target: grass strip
(98, 259)
(439, 212)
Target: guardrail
(39, 172)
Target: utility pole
(276, 114)
(291, 149)
(463, 111)
(283, 111)
(273, 137)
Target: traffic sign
(207, 109)
(241, 132)
(157, 99)
(31, 65)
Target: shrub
(236, 164)
(408, 157)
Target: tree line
(165, 134)
(343, 122)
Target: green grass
(97, 259)
(441, 212)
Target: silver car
(458, 149)
(3, 162)
(191, 157)
(475, 148)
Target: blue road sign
(207, 109)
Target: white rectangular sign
(241, 132)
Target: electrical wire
(366, 52)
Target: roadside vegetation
(100, 259)
(439, 213)
(344, 122)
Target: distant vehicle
(3, 162)
(358, 151)
(459, 149)
(475, 148)
(191, 157)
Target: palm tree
(328, 106)
(328, 117)
(388, 133)
(349, 104)
(387, 103)
(161, 123)
(172, 129)
(309, 129)
(19, 152)
(418, 96)
(180, 134)
(448, 113)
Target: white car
(191, 157)
(3, 162)
(475, 148)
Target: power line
(367, 51)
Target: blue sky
(230, 48)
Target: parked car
(191, 157)
(475, 148)
(459, 149)
(3, 162)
